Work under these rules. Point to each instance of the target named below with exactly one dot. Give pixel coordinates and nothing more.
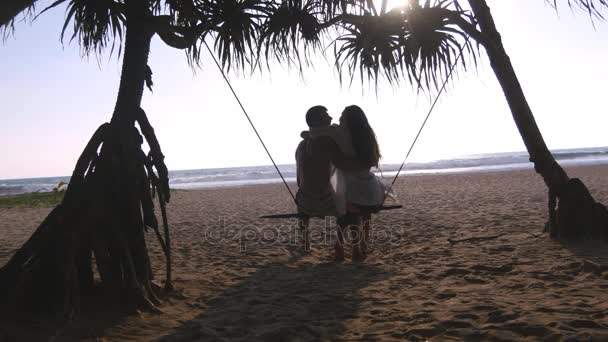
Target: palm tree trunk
(135, 63)
(577, 213)
(106, 208)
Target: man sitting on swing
(323, 149)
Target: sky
(52, 99)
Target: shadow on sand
(280, 303)
(96, 316)
(588, 256)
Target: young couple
(334, 176)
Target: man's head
(317, 117)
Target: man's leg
(303, 223)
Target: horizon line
(291, 164)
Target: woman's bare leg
(356, 229)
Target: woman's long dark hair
(362, 136)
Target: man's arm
(299, 151)
(337, 157)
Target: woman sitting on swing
(362, 192)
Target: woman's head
(362, 135)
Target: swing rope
(445, 82)
(252, 125)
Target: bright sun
(390, 4)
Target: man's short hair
(316, 115)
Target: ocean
(239, 176)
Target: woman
(363, 191)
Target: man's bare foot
(364, 247)
(306, 247)
(358, 255)
(338, 253)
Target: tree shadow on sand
(307, 302)
(592, 256)
(98, 313)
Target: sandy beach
(241, 278)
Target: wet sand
(242, 278)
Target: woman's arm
(337, 157)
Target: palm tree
(108, 204)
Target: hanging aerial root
(148, 209)
(166, 243)
(25, 262)
(73, 195)
(158, 159)
(159, 184)
(147, 204)
(137, 291)
(163, 209)
(28, 252)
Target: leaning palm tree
(578, 214)
(109, 199)
(108, 204)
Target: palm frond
(11, 9)
(183, 12)
(95, 23)
(431, 45)
(287, 28)
(593, 7)
(332, 8)
(235, 25)
(369, 47)
(417, 42)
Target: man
(316, 158)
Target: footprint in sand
(493, 269)
(466, 316)
(555, 277)
(445, 295)
(423, 276)
(526, 329)
(422, 333)
(586, 324)
(474, 280)
(500, 316)
(501, 249)
(454, 272)
(484, 308)
(455, 324)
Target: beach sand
(241, 278)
